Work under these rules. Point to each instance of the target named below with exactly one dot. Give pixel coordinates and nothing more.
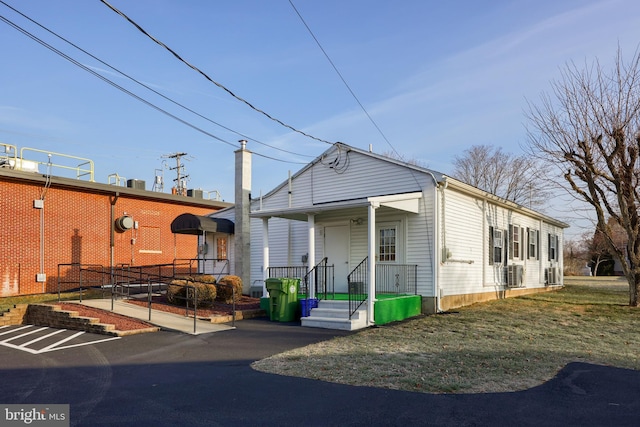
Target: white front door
(336, 249)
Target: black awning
(195, 224)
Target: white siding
(457, 237)
(362, 177)
(420, 232)
(465, 228)
(462, 242)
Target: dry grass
(8, 302)
(504, 345)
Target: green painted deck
(387, 307)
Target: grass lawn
(504, 345)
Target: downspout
(112, 240)
(439, 218)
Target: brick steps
(14, 316)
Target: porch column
(311, 259)
(265, 255)
(372, 260)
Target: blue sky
(437, 77)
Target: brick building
(49, 221)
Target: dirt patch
(122, 323)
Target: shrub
(177, 292)
(206, 293)
(226, 287)
(205, 278)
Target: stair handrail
(357, 282)
(322, 274)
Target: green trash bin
(283, 298)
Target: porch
(395, 298)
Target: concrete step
(333, 304)
(334, 313)
(333, 323)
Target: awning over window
(195, 224)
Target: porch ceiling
(408, 202)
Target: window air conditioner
(514, 276)
(551, 276)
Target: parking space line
(44, 337)
(51, 347)
(69, 338)
(44, 350)
(25, 334)
(13, 330)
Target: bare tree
(592, 132)
(576, 256)
(515, 178)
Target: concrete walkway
(166, 321)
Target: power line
(343, 79)
(126, 91)
(202, 73)
(148, 87)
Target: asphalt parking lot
(38, 339)
(174, 379)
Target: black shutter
(537, 244)
(510, 241)
(490, 245)
(506, 248)
(528, 244)
(549, 247)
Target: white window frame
(532, 244)
(498, 239)
(515, 240)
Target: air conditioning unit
(137, 184)
(515, 275)
(551, 276)
(199, 194)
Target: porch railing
(397, 279)
(322, 275)
(357, 281)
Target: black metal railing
(357, 282)
(398, 279)
(291, 272)
(141, 281)
(82, 276)
(216, 267)
(322, 276)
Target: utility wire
(343, 79)
(126, 91)
(148, 87)
(202, 73)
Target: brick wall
(77, 229)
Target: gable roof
(441, 180)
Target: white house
(376, 226)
